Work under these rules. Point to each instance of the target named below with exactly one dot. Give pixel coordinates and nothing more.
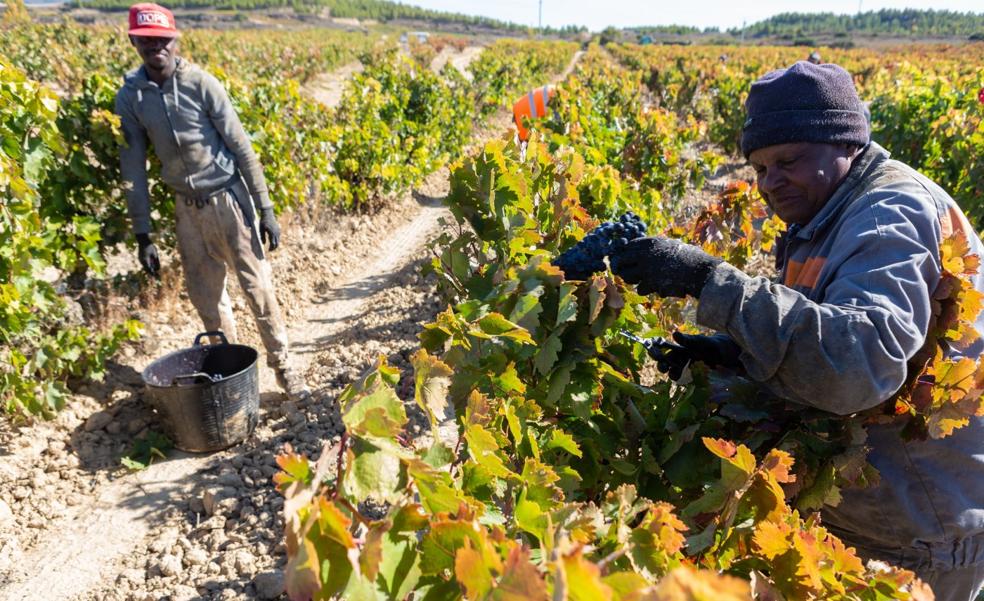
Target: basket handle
(183, 378)
(198, 339)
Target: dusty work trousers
(214, 237)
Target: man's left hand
(663, 266)
(717, 351)
(269, 228)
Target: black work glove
(665, 266)
(717, 351)
(147, 255)
(269, 228)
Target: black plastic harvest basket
(208, 396)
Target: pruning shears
(660, 349)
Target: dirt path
(570, 66)
(327, 88)
(458, 60)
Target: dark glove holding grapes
(717, 351)
(588, 256)
(663, 266)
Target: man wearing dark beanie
(850, 308)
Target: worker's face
(157, 53)
(797, 179)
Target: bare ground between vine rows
(328, 88)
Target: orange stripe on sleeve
(804, 275)
(793, 269)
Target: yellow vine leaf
(771, 538)
(778, 463)
(583, 578)
(688, 584)
(956, 256)
(948, 391)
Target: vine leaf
(472, 572)
(583, 578)
(520, 580)
(432, 377)
(687, 584)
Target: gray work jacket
(853, 307)
(196, 134)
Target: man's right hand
(147, 255)
(664, 266)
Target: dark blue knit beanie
(804, 103)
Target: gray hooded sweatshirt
(196, 134)
(853, 307)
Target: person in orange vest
(530, 107)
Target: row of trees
(886, 21)
(667, 30)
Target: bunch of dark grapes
(588, 256)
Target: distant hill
(892, 22)
(378, 10)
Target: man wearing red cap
(208, 161)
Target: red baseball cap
(153, 20)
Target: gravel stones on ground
(230, 479)
(220, 500)
(6, 514)
(182, 592)
(244, 562)
(195, 557)
(169, 565)
(133, 576)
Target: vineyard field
(482, 426)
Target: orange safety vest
(531, 106)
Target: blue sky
(596, 14)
